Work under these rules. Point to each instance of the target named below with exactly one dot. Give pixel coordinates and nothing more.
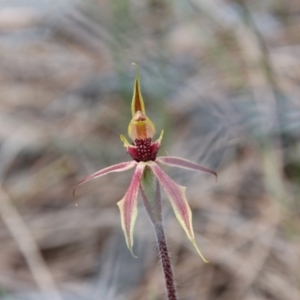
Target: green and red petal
(176, 194)
(128, 205)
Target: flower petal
(183, 163)
(124, 166)
(128, 206)
(176, 194)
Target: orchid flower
(147, 165)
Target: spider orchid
(147, 165)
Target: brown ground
(221, 77)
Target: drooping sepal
(128, 206)
(176, 195)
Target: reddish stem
(165, 261)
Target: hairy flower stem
(150, 192)
(165, 261)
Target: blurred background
(222, 78)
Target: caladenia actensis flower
(147, 179)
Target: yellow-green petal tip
(199, 252)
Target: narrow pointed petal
(124, 140)
(124, 166)
(160, 137)
(137, 100)
(176, 194)
(183, 163)
(128, 206)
